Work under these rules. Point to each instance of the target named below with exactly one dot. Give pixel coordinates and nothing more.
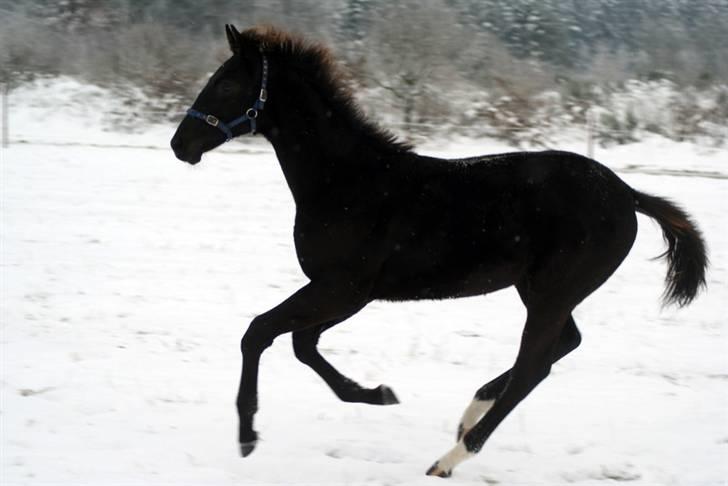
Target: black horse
(374, 220)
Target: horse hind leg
(539, 343)
(549, 333)
(487, 394)
(304, 347)
(549, 306)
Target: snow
(41, 111)
(128, 278)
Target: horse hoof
(436, 471)
(388, 396)
(247, 447)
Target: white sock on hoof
(457, 455)
(475, 411)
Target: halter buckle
(212, 120)
(263, 96)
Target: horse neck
(320, 147)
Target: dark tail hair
(686, 254)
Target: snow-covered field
(128, 279)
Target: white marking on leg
(456, 455)
(475, 411)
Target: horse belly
(407, 279)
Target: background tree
(503, 63)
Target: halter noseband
(250, 115)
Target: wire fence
(592, 134)
(4, 105)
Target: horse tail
(686, 254)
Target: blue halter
(250, 115)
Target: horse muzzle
(185, 152)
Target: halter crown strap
(250, 115)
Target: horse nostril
(184, 151)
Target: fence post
(6, 116)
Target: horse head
(229, 104)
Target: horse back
(472, 226)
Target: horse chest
(330, 241)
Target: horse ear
(233, 37)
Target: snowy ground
(128, 279)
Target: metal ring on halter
(251, 113)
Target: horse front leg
(312, 305)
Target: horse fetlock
(471, 443)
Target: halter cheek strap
(250, 115)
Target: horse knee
(256, 338)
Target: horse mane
(319, 66)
